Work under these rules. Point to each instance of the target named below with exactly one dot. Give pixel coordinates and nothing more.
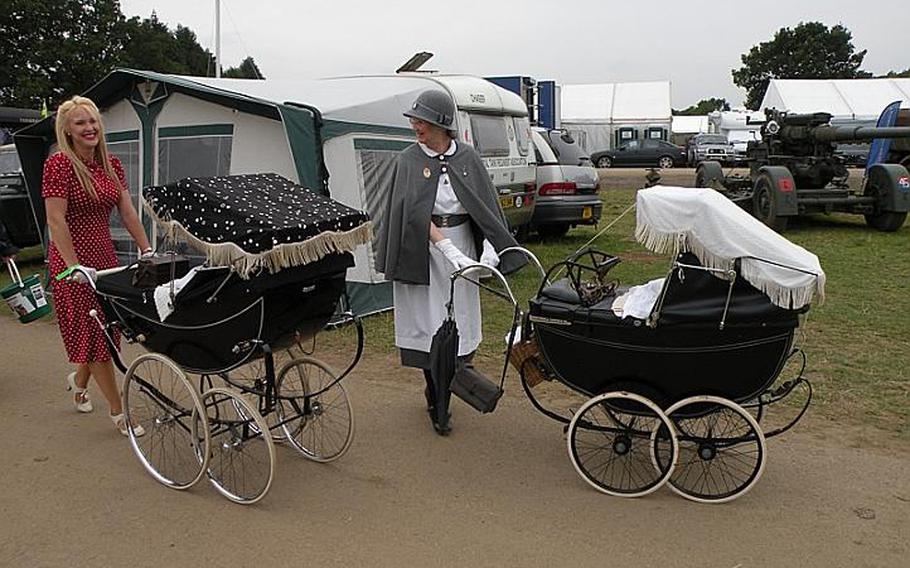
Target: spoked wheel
(158, 397)
(321, 427)
(252, 376)
(721, 449)
(665, 162)
(242, 461)
(610, 444)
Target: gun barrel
(827, 133)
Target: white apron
(420, 310)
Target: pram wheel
(251, 379)
(158, 396)
(721, 449)
(320, 427)
(242, 460)
(611, 440)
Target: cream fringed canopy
(256, 221)
(720, 233)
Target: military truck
(794, 170)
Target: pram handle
(530, 255)
(484, 269)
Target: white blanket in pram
(164, 302)
(639, 300)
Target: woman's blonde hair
(65, 144)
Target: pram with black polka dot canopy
(276, 260)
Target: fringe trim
(675, 243)
(281, 256)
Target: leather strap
(449, 220)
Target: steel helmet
(435, 107)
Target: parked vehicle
(641, 153)
(15, 208)
(794, 171)
(566, 184)
(703, 147)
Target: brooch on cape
(426, 173)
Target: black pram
(276, 260)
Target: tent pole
(217, 39)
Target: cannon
(794, 170)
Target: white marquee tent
(851, 101)
(605, 114)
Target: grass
(856, 341)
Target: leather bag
(471, 386)
(158, 269)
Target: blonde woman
(82, 183)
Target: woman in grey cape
(441, 215)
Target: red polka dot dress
(87, 220)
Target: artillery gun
(793, 170)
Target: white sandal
(79, 394)
(119, 421)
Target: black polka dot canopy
(256, 220)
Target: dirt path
(499, 492)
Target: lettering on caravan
(503, 162)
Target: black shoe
(431, 403)
(445, 428)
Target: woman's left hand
(489, 257)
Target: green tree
(193, 57)
(151, 45)
(247, 70)
(809, 51)
(898, 74)
(52, 49)
(703, 107)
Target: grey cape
(402, 250)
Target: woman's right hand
(453, 255)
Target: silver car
(566, 184)
(714, 147)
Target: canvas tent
(684, 127)
(602, 116)
(336, 136)
(849, 101)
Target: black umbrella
(443, 360)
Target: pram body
(675, 396)
(274, 277)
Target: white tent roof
(616, 102)
(689, 124)
(845, 99)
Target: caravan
(336, 136)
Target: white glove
(489, 257)
(453, 255)
(148, 253)
(81, 273)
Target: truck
(794, 170)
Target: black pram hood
(255, 221)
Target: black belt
(449, 220)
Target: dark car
(641, 153)
(566, 184)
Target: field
(855, 341)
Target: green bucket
(25, 297)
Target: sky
(693, 43)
